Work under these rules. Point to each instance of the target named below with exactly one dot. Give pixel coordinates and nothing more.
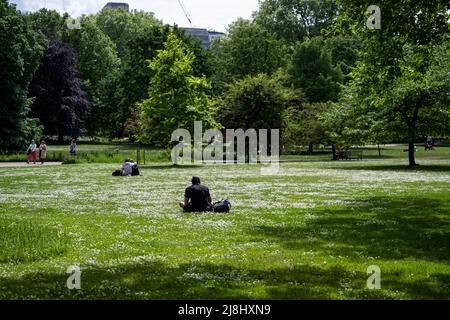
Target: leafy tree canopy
(248, 49)
(176, 97)
(59, 101)
(296, 20)
(312, 70)
(20, 50)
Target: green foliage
(312, 70)
(58, 99)
(256, 102)
(421, 24)
(422, 100)
(203, 64)
(392, 84)
(344, 51)
(248, 49)
(136, 36)
(20, 51)
(49, 22)
(98, 66)
(176, 97)
(296, 20)
(303, 126)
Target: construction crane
(186, 12)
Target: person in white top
(31, 152)
(128, 167)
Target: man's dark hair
(195, 180)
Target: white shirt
(128, 168)
(32, 147)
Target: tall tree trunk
(311, 148)
(411, 141)
(379, 150)
(60, 135)
(333, 147)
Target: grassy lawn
(310, 232)
(94, 153)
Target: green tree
(137, 36)
(122, 26)
(394, 79)
(49, 22)
(256, 102)
(302, 125)
(58, 99)
(248, 49)
(296, 20)
(203, 61)
(344, 51)
(20, 51)
(176, 97)
(312, 70)
(98, 66)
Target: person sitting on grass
(129, 168)
(196, 197)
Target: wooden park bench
(350, 154)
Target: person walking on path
(42, 151)
(31, 152)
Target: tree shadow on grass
(373, 227)
(191, 281)
(405, 229)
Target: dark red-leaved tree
(60, 103)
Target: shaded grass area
(309, 232)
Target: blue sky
(210, 14)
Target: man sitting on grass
(196, 198)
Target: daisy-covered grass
(309, 232)
(24, 241)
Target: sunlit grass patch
(25, 241)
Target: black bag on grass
(135, 170)
(222, 206)
(117, 173)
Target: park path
(24, 164)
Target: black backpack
(135, 170)
(222, 206)
(117, 173)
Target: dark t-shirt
(199, 197)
